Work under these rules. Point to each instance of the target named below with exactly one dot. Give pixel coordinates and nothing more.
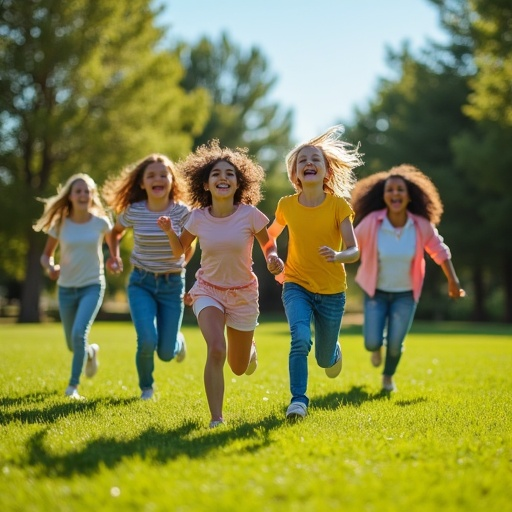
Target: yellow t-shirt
(309, 228)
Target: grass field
(441, 443)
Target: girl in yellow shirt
(321, 241)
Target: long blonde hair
(124, 190)
(58, 207)
(341, 159)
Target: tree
(83, 88)
(239, 84)
(422, 118)
(486, 153)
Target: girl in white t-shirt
(224, 185)
(140, 195)
(75, 219)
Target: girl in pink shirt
(396, 213)
(224, 185)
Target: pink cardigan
(427, 239)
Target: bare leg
(211, 322)
(239, 349)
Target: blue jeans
(326, 311)
(388, 317)
(156, 306)
(78, 308)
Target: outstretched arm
(348, 255)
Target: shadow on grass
(47, 414)
(153, 445)
(356, 396)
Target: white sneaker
(216, 423)
(296, 411)
(253, 361)
(388, 384)
(91, 367)
(335, 369)
(147, 394)
(72, 392)
(183, 350)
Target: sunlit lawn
(442, 443)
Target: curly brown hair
(368, 194)
(121, 191)
(196, 168)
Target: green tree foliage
(491, 97)
(83, 88)
(239, 83)
(486, 153)
(421, 117)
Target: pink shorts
(239, 305)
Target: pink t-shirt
(226, 244)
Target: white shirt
(81, 255)
(396, 247)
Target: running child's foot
(72, 392)
(180, 356)
(388, 384)
(253, 361)
(91, 367)
(216, 423)
(376, 357)
(147, 394)
(335, 369)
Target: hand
(164, 223)
(54, 272)
(187, 299)
(455, 291)
(115, 265)
(328, 253)
(275, 264)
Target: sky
(327, 55)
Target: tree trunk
(31, 288)
(507, 274)
(479, 314)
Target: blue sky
(326, 54)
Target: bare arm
(275, 230)
(114, 262)
(47, 261)
(454, 289)
(348, 255)
(274, 263)
(179, 245)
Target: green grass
(442, 443)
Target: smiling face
(80, 196)
(311, 167)
(222, 181)
(396, 195)
(157, 180)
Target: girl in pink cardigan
(396, 213)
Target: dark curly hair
(196, 168)
(368, 194)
